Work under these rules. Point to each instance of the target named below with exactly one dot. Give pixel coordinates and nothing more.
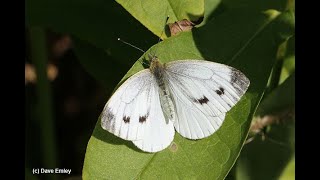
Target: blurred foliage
(254, 37)
(269, 153)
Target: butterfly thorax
(167, 104)
(156, 68)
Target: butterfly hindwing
(159, 132)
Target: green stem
(44, 103)
(275, 76)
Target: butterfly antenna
(133, 47)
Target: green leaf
(243, 39)
(152, 13)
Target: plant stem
(277, 68)
(44, 102)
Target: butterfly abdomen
(166, 102)
(167, 105)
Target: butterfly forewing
(131, 101)
(134, 113)
(203, 92)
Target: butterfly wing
(134, 113)
(159, 133)
(203, 92)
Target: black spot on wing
(126, 119)
(202, 100)
(220, 91)
(142, 119)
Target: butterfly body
(189, 96)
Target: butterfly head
(155, 64)
(152, 58)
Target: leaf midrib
(145, 166)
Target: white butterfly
(189, 96)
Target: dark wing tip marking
(202, 100)
(239, 81)
(107, 114)
(107, 120)
(142, 119)
(126, 119)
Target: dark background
(77, 103)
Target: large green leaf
(246, 40)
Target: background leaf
(257, 5)
(152, 13)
